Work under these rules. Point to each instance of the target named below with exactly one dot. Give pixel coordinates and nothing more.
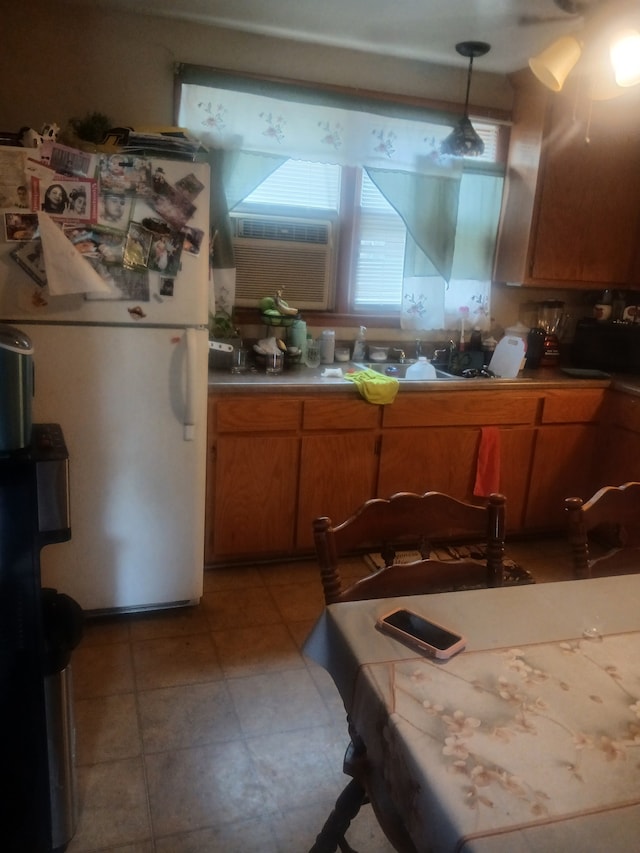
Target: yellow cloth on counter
(374, 387)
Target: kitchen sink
(398, 371)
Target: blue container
(16, 389)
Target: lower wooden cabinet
(436, 459)
(337, 474)
(431, 443)
(563, 466)
(255, 510)
(565, 462)
(618, 456)
(276, 462)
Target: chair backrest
(604, 532)
(421, 522)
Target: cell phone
(421, 634)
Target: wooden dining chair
(604, 532)
(432, 523)
(472, 539)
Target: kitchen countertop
(302, 379)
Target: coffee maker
(16, 389)
(39, 626)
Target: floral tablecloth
(501, 740)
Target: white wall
(63, 59)
(67, 58)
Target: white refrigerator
(124, 373)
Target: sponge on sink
(375, 387)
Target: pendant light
(463, 141)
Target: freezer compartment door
(132, 404)
(168, 286)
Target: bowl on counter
(377, 353)
(290, 357)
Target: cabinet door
(255, 495)
(516, 456)
(620, 463)
(571, 208)
(425, 460)
(445, 460)
(337, 475)
(563, 466)
(589, 194)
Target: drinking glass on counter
(312, 358)
(239, 361)
(274, 363)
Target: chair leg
(347, 806)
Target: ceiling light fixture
(553, 65)
(607, 51)
(625, 58)
(463, 141)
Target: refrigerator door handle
(190, 392)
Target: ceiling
(423, 30)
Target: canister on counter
(298, 336)
(327, 346)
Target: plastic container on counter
(327, 346)
(421, 370)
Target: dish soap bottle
(359, 345)
(422, 370)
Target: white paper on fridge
(67, 271)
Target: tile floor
(206, 730)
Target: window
(375, 248)
(392, 223)
(302, 189)
(301, 185)
(379, 244)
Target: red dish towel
(488, 465)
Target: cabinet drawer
(458, 408)
(572, 406)
(257, 414)
(330, 413)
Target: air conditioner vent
(293, 231)
(281, 253)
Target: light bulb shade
(463, 141)
(601, 84)
(554, 64)
(625, 58)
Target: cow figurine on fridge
(30, 138)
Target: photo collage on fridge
(116, 206)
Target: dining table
(527, 741)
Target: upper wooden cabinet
(571, 214)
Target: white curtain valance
(261, 124)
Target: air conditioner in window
(274, 253)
